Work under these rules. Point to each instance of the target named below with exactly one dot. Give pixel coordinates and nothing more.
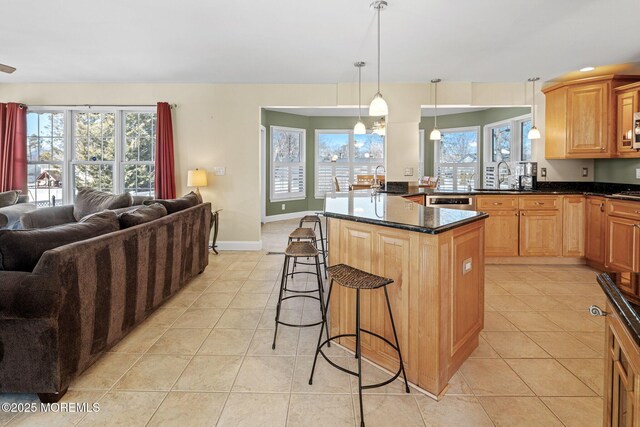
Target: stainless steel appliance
(453, 201)
(527, 175)
(632, 194)
(636, 131)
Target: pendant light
(378, 106)
(435, 133)
(534, 133)
(359, 128)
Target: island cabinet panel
(573, 226)
(596, 219)
(541, 233)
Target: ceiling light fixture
(534, 133)
(586, 69)
(359, 128)
(435, 133)
(378, 106)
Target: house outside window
(341, 154)
(288, 174)
(109, 149)
(456, 158)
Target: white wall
(218, 125)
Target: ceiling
(353, 111)
(293, 41)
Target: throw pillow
(90, 201)
(176, 205)
(20, 250)
(141, 215)
(9, 198)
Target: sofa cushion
(141, 215)
(176, 205)
(90, 201)
(20, 250)
(8, 198)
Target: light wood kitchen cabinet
(627, 98)
(580, 117)
(622, 381)
(573, 226)
(596, 226)
(501, 229)
(623, 235)
(540, 232)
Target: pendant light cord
(436, 118)
(360, 93)
(533, 103)
(379, 7)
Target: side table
(214, 223)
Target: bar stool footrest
(306, 325)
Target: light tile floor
(205, 358)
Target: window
(501, 143)
(525, 142)
(508, 141)
(456, 158)
(287, 163)
(109, 149)
(341, 154)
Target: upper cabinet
(580, 117)
(627, 98)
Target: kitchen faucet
(500, 180)
(376, 184)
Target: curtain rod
(173, 106)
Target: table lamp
(197, 178)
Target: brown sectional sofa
(84, 297)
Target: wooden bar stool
(353, 278)
(297, 250)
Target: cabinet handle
(522, 213)
(496, 203)
(597, 311)
(539, 203)
(601, 207)
(638, 212)
(636, 225)
(603, 148)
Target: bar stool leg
(283, 285)
(395, 336)
(323, 309)
(315, 359)
(359, 356)
(324, 253)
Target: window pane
(333, 146)
(525, 142)
(501, 143)
(44, 184)
(44, 137)
(369, 147)
(99, 177)
(139, 179)
(459, 147)
(95, 136)
(140, 136)
(287, 146)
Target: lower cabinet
(596, 219)
(573, 226)
(622, 382)
(540, 233)
(501, 229)
(623, 239)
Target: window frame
(515, 139)
(436, 155)
(303, 162)
(352, 163)
(69, 161)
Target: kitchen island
(435, 257)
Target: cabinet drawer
(624, 209)
(497, 202)
(417, 199)
(539, 202)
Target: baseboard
(238, 245)
(292, 215)
(535, 260)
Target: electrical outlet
(637, 173)
(219, 170)
(408, 171)
(543, 172)
(585, 171)
(283, 206)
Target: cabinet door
(501, 231)
(573, 226)
(540, 233)
(555, 124)
(587, 120)
(627, 105)
(623, 241)
(596, 230)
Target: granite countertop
(628, 311)
(393, 211)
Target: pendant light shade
(378, 106)
(359, 128)
(534, 133)
(435, 133)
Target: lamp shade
(197, 178)
(359, 128)
(534, 133)
(435, 135)
(378, 106)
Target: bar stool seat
(353, 278)
(310, 218)
(301, 249)
(317, 222)
(301, 233)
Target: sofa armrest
(10, 215)
(26, 295)
(47, 217)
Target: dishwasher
(453, 201)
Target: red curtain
(165, 169)
(13, 147)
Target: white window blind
(287, 163)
